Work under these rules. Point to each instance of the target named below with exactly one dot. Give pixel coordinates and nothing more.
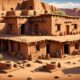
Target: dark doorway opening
(23, 29)
(5, 45)
(48, 49)
(66, 49)
(67, 29)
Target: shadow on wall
(75, 70)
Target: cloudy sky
(64, 3)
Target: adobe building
(34, 31)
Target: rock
(56, 77)
(28, 65)
(10, 75)
(29, 78)
(38, 61)
(59, 65)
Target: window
(12, 9)
(23, 28)
(37, 48)
(76, 46)
(75, 26)
(58, 27)
(48, 48)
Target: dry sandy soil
(70, 70)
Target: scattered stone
(24, 61)
(64, 56)
(10, 75)
(29, 78)
(37, 61)
(78, 60)
(18, 62)
(56, 77)
(28, 65)
(22, 67)
(68, 62)
(15, 65)
(49, 67)
(69, 75)
(32, 71)
(59, 65)
(74, 63)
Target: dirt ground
(70, 70)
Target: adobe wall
(12, 27)
(72, 47)
(55, 48)
(20, 22)
(48, 24)
(44, 24)
(59, 47)
(16, 23)
(18, 48)
(36, 54)
(23, 49)
(26, 50)
(64, 21)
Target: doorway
(48, 49)
(5, 45)
(66, 49)
(67, 29)
(23, 29)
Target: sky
(64, 3)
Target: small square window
(58, 27)
(75, 26)
(37, 48)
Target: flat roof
(47, 14)
(30, 39)
(16, 16)
(62, 15)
